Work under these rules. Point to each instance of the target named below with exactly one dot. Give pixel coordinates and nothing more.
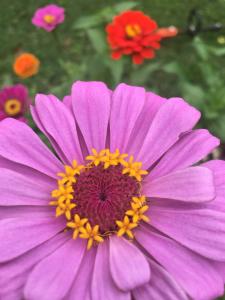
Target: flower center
(49, 19)
(132, 30)
(12, 107)
(103, 197)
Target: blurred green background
(192, 68)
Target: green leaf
(88, 22)
(141, 75)
(201, 48)
(116, 68)
(98, 40)
(217, 51)
(194, 94)
(125, 6)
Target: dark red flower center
(104, 195)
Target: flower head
(49, 17)
(14, 102)
(133, 33)
(123, 210)
(26, 65)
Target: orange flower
(167, 32)
(26, 65)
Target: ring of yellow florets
(64, 196)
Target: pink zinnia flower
(125, 185)
(14, 102)
(48, 17)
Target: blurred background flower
(133, 33)
(14, 102)
(26, 65)
(48, 17)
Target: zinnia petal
(194, 184)
(162, 286)
(200, 230)
(53, 114)
(31, 232)
(91, 106)
(17, 189)
(129, 267)
(174, 118)
(21, 145)
(127, 103)
(101, 273)
(49, 280)
(188, 268)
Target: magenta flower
(48, 17)
(14, 102)
(122, 212)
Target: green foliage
(208, 94)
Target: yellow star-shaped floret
(64, 192)
(64, 208)
(97, 157)
(137, 212)
(70, 173)
(133, 169)
(92, 234)
(126, 226)
(77, 224)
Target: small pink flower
(48, 17)
(14, 102)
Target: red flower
(133, 33)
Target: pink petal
(81, 287)
(174, 118)
(127, 103)
(22, 211)
(91, 106)
(17, 189)
(190, 148)
(194, 274)
(162, 286)
(53, 276)
(129, 267)
(58, 123)
(24, 170)
(194, 184)
(151, 106)
(102, 286)
(67, 100)
(19, 235)
(25, 262)
(14, 274)
(21, 145)
(218, 169)
(200, 230)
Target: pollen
(92, 234)
(125, 227)
(102, 197)
(49, 19)
(12, 107)
(132, 30)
